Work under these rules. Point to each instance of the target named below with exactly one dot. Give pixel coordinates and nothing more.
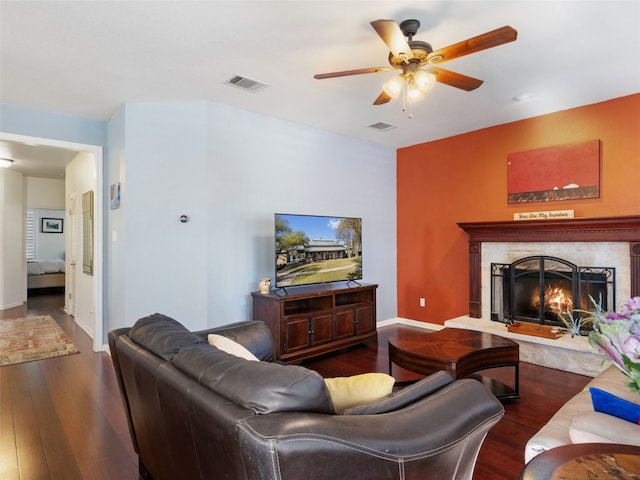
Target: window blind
(31, 234)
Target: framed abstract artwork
(562, 172)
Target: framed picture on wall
(52, 225)
(114, 196)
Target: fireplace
(612, 241)
(543, 289)
(621, 230)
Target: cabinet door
(296, 333)
(344, 324)
(321, 331)
(365, 321)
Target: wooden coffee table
(460, 353)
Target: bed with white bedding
(45, 273)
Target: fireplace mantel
(609, 229)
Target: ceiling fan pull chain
(404, 96)
(404, 100)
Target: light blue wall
(260, 165)
(56, 126)
(115, 234)
(163, 261)
(228, 170)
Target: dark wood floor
(62, 418)
(542, 392)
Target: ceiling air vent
(246, 84)
(382, 127)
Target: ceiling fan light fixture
(393, 87)
(414, 94)
(424, 80)
(5, 162)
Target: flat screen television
(312, 249)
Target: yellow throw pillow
(230, 346)
(347, 392)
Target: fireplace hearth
(544, 289)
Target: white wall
(229, 170)
(44, 193)
(50, 246)
(80, 177)
(12, 252)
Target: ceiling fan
(410, 56)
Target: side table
(580, 461)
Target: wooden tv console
(316, 319)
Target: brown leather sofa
(196, 412)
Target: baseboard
(410, 323)
(12, 305)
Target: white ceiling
(35, 160)
(87, 58)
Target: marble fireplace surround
(611, 242)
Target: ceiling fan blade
(472, 45)
(454, 79)
(382, 98)
(390, 33)
(346, 73)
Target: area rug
(32, 338)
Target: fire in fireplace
(557, 300)
(542, 289)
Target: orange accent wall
(464, 179)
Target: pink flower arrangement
(617, 336)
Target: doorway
(94, 153)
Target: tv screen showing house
(312, 249)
